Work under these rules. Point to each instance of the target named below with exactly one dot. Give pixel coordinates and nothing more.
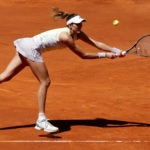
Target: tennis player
(29, 49)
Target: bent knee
(46, 82)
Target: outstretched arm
(68, 40)
(99, 45)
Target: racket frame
(134, 46)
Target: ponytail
(58, 14)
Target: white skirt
(27, 47)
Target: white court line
(74, 141)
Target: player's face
(76, 28)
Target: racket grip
(124, 52)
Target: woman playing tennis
(28, 53)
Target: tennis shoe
(46, 126)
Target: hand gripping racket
(141, 47)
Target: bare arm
(68, 40)
(102, 46)
(99, 45)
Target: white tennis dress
(31, 48)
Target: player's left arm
(99, 45)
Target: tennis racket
(141, 47)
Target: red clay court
(97, 104)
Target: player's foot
(46, 126)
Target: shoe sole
(39, 128)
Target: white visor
(77, 19)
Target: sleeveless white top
(32, 47)
(50, 38)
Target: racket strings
(143, 46)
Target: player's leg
(16, 65)
(40, 71)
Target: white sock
(41, 116)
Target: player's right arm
(69, 42)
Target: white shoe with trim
(46, 126)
